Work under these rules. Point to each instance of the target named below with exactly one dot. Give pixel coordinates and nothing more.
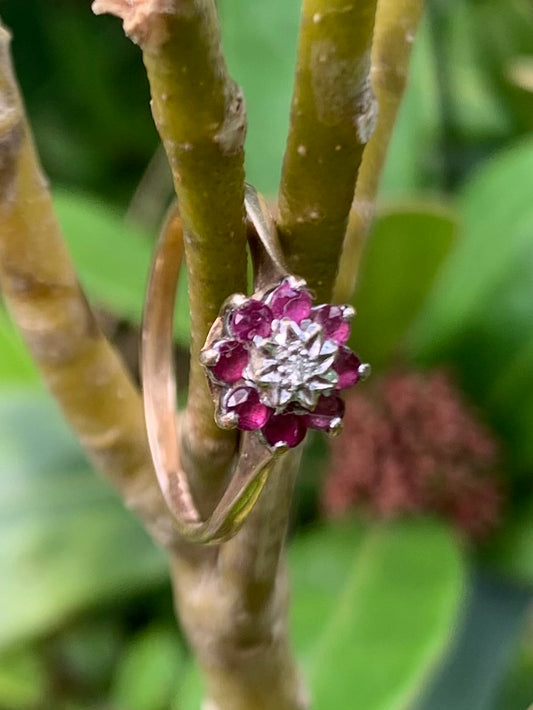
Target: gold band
(253, 460)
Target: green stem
(396, 25)
(41, 290)
(332, 118)
(200, 115)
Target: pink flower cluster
(412, 446)
(278, 364)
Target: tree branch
(332, 118)
(396, 25)
(42, 292)
(234, 597)
(200, 114)
(236, 619)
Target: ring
(275, 365)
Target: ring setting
(276, 363)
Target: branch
(396, 25)
(234, 597)
(199, 113)
(332, 118)
(236, 619)
(42, 292)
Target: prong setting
(364, 371)
(276, 364)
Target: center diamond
(293, 364)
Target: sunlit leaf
(393, 598)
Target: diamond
(294, 365)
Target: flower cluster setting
(276, 364)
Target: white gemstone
(294, 364)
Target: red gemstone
(233, 358)
(327, 409)
(251, 319)
(287, 429)
(331, 318)
(244, 401)
(290, 302)
(346, 365)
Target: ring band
(253, 460)
(275, 366)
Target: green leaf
(393, 599)
(511, 551)
(149, 674)
(401, 259)
(479, 314)
(493, 618)
(66, 542)
(22, 679)
(16, 365)
(113, 259)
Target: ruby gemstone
(346, 365)
(233, 358)
(334, 326)
(244, 401)
(251, 319)
(289, 302)
(287, 429)
(327, 409)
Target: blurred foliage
(407, 241)
(57, 521)
(114, 278)
(446, 280)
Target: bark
(333, 115)
(396, 25)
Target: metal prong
(235, 300)
(296, 281)
(281, 447)
(335, 427)
(348, 312)
(209, 357)
(227, 420)
(364, 370)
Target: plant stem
(236, 620)
(396, 25)
(233, 597)
(332, 118)
(41, 289)
(200, 115)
